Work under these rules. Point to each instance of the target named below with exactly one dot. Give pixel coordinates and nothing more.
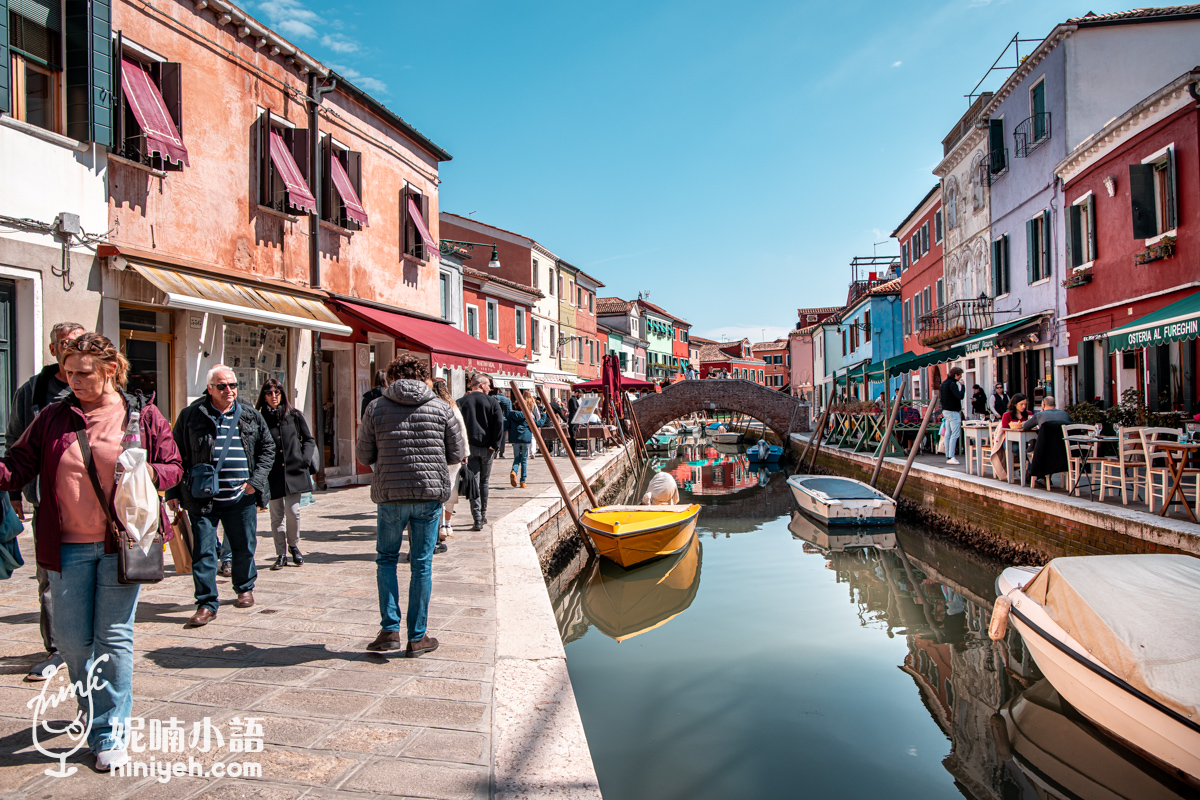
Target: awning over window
(1177, 322)
(986, 339)
(244, 301)
(345, 189)
(447, 346)
(289, 173)
(431, 249)
(146, 103)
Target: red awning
(447, 346)
(293, 179)
(146, 103)
(430, 248)
(341, 182)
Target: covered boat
(729, 437)
(773, 454)
(623, 603)
(842, 501)
(1119, 638)
(662, 442)
(629, 535)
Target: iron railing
(1031, 134)
(997, 165)
(953, 321)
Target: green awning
(986, 339)
(936, 357)
(898, 365)
(1177, 322)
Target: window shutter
(354, 171)
(904, 256)
(87, 77)
(1141, 200)
(1030, 251)
(941, 293)
(326, 187)
(1172, 220)
(1074, 235)
(404, 223)
(1091, 215)
(170, 85)
(937, 227)
(264, 159)
(996, 284)
(996, 144)
(1005, 263)
(925, 238)
(299, 147)
(5, 79)
(1047, 247)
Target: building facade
(591, 348)
(926, 317)
(777, 357)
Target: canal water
(775, 658)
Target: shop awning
(447, 345)
(1177, 322)
(935, 357)
(345, 190)
(146, 103)
(289, 173)
(240, 300)
(986, 339)
(552, 377)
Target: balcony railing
(997, 165)
(859, 288)
(1031, 134)
(953, 321)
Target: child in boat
(662, 491)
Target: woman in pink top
(93, 619)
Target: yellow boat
(622, 603)
(629, 535)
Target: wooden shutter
(1172, 218)
(264, 158)
(1047, 247)
(326, 188)
(937, 227)
(118, 98)
(423, 207)
(299, 146)
(404, 221)
(996, 285)
(925, 238)
(1030, 251)
(1141, 200)
(1091, 216)
(5, 78)
(996, 145)
(904, 256)
(1074, 236)
(1005, 273)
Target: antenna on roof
(875, 246)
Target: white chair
(1160, 468)
(978, 445)
(1127, 469)
(1080, 454)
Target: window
(997, 152)
(1037, 247)
(926, 306)
(925, 238)
(917, 309)
(147, 341)
(148, 112)
(941, 293)
(904, 261)
(1081, 231)
(866, 327)
(633, 326)
(535, 273)
(844, 350)
(907, 315)
(473, 321)
(1000, 273)
(571, 291)
(444, 290)
(937, 227)
(554, 349)
(560, 286)
(1152, 195)
(341, 185)
(493, 321)
(1037, 110)
(534, 337)
(952, 203)
(591, 351)
(979, 179)
(914, 245)
(414, 214)
(520, 323)
(35, 39)
(550, 284)
(283, 166)
(854, 336)
(592, 302)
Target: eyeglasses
(272, 391)
(220, 387)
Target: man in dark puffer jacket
(409, 436)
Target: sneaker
(512, 478)
(226, 569)
(952, 461)
(386, 640)
(107, 760)
(280, 562)
(38, 671)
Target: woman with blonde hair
(442, 390)
(72, 449)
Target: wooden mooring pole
(887, 436)
(815, 443)
(916, 445)
(816, 432)
(570, 450)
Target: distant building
(624, 317)
(870, 333)
(778, 360)
(926, 317)
(731, 360)
(591, 348)
(664, 342)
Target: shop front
(1018, 353)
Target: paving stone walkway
(337, 721)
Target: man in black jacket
(572, 407)
(952, 394)
(481, 414)
(48, 386)
(242, 484)
(1000, 399)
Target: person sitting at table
(1049, 454)
(1016, 416)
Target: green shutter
(89, 71)
(1047, 244)
(1172, 216)
(1005, 275)
(996, 292)
(1030, 251)
(1074, 236)
(44, 12)
(1141, 200)
(1091, 214)
(5, 83)
(996, 145)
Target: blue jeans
(520, 457)
(953, 431)
(93, 617)
(422, 520)
(239, 521)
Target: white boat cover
(1138, 614)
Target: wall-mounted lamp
(451, 247)
(1110, 186)
(1033, 337)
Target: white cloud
(339, 44)
(361, 81)
(291, 18)
(755, 333)
(897, 63)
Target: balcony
(946, 325)
(997, 165)
(1031, 134)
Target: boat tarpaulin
(1138, 614)
(345, 190)
(1177, 322)
(146, 103)
(289, 173)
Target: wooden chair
(977, 449)
(1159, 467)
(1080, 455)
(1127, 469)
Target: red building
(730, 360)
(922, 283)
(592, 346)
(498, 311)
(778, 360)
(1133, 234)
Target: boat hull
(773, 456)
(1104, 702)
(728, 438)
(834, 512)
(629, 549)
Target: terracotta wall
(475, 295)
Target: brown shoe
(244, 600)
(426, 644)
(202, 617)
(512, 478)
(522, 484)
(386, 640)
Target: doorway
(8, 353)
(147, 342)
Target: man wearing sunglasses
(227, 455)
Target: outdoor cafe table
(978, 436)
(589, 433)
(1022, 440)
(1185, 450)
(1095, 442)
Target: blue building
(870, 331)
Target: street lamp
(452, 247)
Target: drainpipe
(315, 94)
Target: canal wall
(1016, 523)
(539, 745)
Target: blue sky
(728, 158)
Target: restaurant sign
(1165, 332)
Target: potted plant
(1164, 248)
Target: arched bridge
(780, 412)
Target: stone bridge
(780, 412)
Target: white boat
(842, 501)
(1119, 638)
(826, 541)
(730, 437)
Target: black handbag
(133, 565)
(204, 479)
